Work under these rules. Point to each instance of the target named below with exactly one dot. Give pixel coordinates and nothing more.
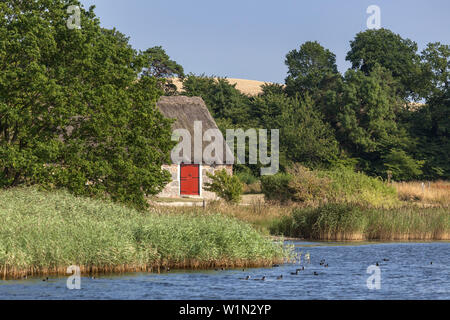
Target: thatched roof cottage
(188, 179)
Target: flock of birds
(280, 277)
(297, 271)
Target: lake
(413, 271)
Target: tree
(389, 50)
(304, 137)
(367, 119)
(311, 70)
(159, 65)
(228, 105)
(436, 65)
(429, 122)
(73, 113)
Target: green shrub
(246, 177)
(347, 186)
(226, 186)
(307, 186)
(276, 187)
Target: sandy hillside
(249, 87)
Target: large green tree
(304, 136)
(368, 127)
(383, 47)
(311, 70)
(73, 112)
(430, 122)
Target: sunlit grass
(427, 193)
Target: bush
(307, 186)
(226, 186)
(341, 185)
(276, 187)
(347, 186)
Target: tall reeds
(45, 232)
(350, 222)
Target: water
(407, 275)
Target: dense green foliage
(226, 186)
(72, 113)
(341, 185)
(52, 230)
(350, 222)
(366, 119)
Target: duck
(262, 279)
(315, 273)
(280, 277)
(385, 259)
(295, 273)
(303, 268)
(326, 266)
(377, 264)
(46, 279)
(246, 278)
(275, 265)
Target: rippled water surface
(409, 274)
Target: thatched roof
(187, 110)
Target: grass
(44, 233)
(350, 222)
(426, 193)
(254, 211)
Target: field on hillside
(248, 87)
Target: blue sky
(250, 38)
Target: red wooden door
(189, 179)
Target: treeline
(78, 106)
(388, 115)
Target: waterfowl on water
(326, 266)
(46, 279)
(377, 264)
(303, 268)
(246, 278)
(295, 273)
(385, 259)
(262, 279)
(315, 273)
(275, 265)
(280, 277)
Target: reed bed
(348, 222)
(45, 232)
